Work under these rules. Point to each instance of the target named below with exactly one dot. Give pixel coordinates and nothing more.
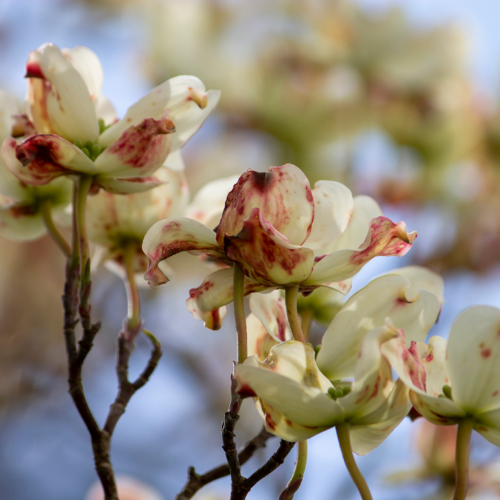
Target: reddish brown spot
(375, 388)
(319, 258)
(494, 394)
(33, 70)
(401, 301)
(22, 210)
(429, 358)
(245, 391)
(483, 428)
(486, 353)
(269, 422)
(288, 422)
(196, 293)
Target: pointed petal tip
(154, 276)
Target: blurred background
(397, 99)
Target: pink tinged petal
(289, 383)
(86, 62)
(282, 194)
(171, 236)
(139, 151)
(372, 376)
(259, 340)
(127, 186)
(175, 96)
(21, 222)
(59, 99)
(474, 359)
(433, 357)
(369, 432)
(276, 423)
(365, 209)
(208, 203)
(215, 292)
(266, 256)
(333, 206)
(41, 158)
(388, 296)
(270, 309)
(385, 238)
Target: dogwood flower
(458, 379)
(281, 233)
(114, 221)
(21, 205)
(65, 104)
(295, 390)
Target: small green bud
(86, 151)
(78, 144)
(339, 393)
(447, 391)
(346, 389)
(316, 350)
(332, 392)
(102, 126)
(89, 145)
(310, 345)
(95, 151)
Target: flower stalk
(291, 295)
(133, 297)
(60, 241)
(462, 459)
(239, 313)
(352, 467)
(298, 472)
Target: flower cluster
(269, 235)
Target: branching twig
(197, 481)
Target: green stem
(352, 467)
(298, 472)
(306, 317)
(462, 458)
(83, 186)
(75, 246)
(133, 298)
(239, 312)
(60, 241)
(291, 294)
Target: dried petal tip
(33, 70)
(154, 276)
(200, 98)
(169, 125)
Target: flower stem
(306, 317)
(75, 247)
(291, 294)
(298, 472)
(60, 241)
(239, 312)
(352, 467)
(133, 298)
(83, 186)
(462, 459)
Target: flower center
(90, 148)
(339, 389)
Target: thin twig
(197, 481)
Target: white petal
(215, 292)
(365, 209)
(333, 206)
(175, 95)
(21, 222)
(208, 204)
(171, 236)
(132, 185)
(86, 62)
(60, 101)
(373, 430)
(105, 110)
(388, 296)
(422, 278)
(474, 359)
(175, 162)
(8, 108)
(289, 381)
(258, 339)
(270, 309)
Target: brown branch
(197, 481)
(126, 388)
